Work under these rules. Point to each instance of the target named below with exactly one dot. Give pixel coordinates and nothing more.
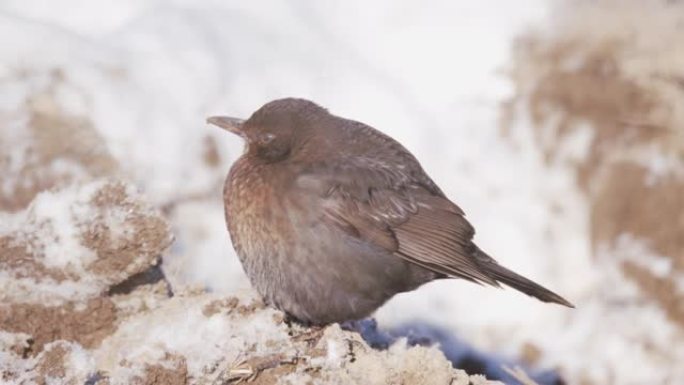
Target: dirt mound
(607, 72)
(250, 342)
(61, 257)
(43, 146)
(603, 90)
(77, 243)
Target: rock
(61, 257)
(76, 243)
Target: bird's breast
(260, 223)
(254, 212)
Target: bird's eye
(267, 138)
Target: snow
(180, 326)
(63, 249)
(53, 232)
(147, 73)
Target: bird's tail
(522, 284)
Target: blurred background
(558, 126)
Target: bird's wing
(403, 213)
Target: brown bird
(331, 218)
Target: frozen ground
(139, 77)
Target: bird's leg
(311, 333)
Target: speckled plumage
(331, 218)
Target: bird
(330, 218)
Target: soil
(147, 237)
(652, 210)
(583, 76)
(174, 371)
(57, 136)
(88, 324)
(15, 257)
(52, 363)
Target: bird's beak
(233, 125)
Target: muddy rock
(77, 243)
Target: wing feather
(399, 213)
(442, 240)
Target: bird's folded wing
(405, 216)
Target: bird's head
(276, 130)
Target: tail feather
(522, 284)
